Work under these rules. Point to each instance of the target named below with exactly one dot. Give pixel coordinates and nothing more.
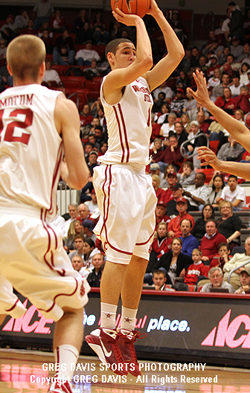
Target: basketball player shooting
(37, 125)
(126, 198)
(238, 131)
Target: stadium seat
(73, 82)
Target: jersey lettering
(17, 123)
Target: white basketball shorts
(33, 260)
(127, 201)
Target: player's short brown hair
(113, 45)
(25, 55)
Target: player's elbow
(146, 64)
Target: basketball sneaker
(104, 342)
(126, 345)
(57, 387)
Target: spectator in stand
(79, 25)
(159, 280)
(195, 270)
(223, 54)
(190, 103)
(189, 242)
(239, 115)
(242, 100)
(174, 225)
(29, 29)
(88, 226)
(89, 251)
(58, 23)
(203, 125)
(73, 213)
(195, 57)
(169, 169)
(43, 10)
(94, 278)
(84, 212)
(236, 85)
(155, 170)
(244, 55)
(159, 102)
(87, 55)
(92, 205)
(219, 89)
(214, 65)
(210, 242)
(180, 132)
(183, 79)
(215, 79)
(160, 213)
(63, 55)
(156, 152)
(79, 250)
(216, 191)
(92, 163)
(185, 120)
(50, 75)
(172, 154)
(187, 176)
(168, 194)
(167, 127)
(245, 67)
(203, 64)
(10, 24)
(171, 205)
(160, 245)
(237, 260)
(161, 117)
(159, 192)
(228, 224)
(163, 88)
(174, 262)
(230, 66)
(21, 20)
(197, 194)
(230, 151)
(75, 228)
(244, 281)
(100, 34)
(222, 257)
(234, 193)
(177, 104)
(85, 116)
(185, 64)
(216, 281)
(226, 101)
(199, 228)
(193, 144)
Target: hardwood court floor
(26, 372)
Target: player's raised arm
(238, 130)
(128, 63)
(168, 64)
(74, 171)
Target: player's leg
(104, 340)
(68, 337)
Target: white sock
(128, 318)
(108, 315)
(66, 356)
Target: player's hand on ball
(126, 19)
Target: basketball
(137, 7)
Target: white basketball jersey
(129, 125)
(30, 147)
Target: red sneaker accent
(126, 345)
(57, 387)
(104, 342)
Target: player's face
(196, 256)
(125, 55)
(77, 263)
(216, 279)
(159, 279)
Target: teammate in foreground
(126, 198)
(238, 130)
(36, 125)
